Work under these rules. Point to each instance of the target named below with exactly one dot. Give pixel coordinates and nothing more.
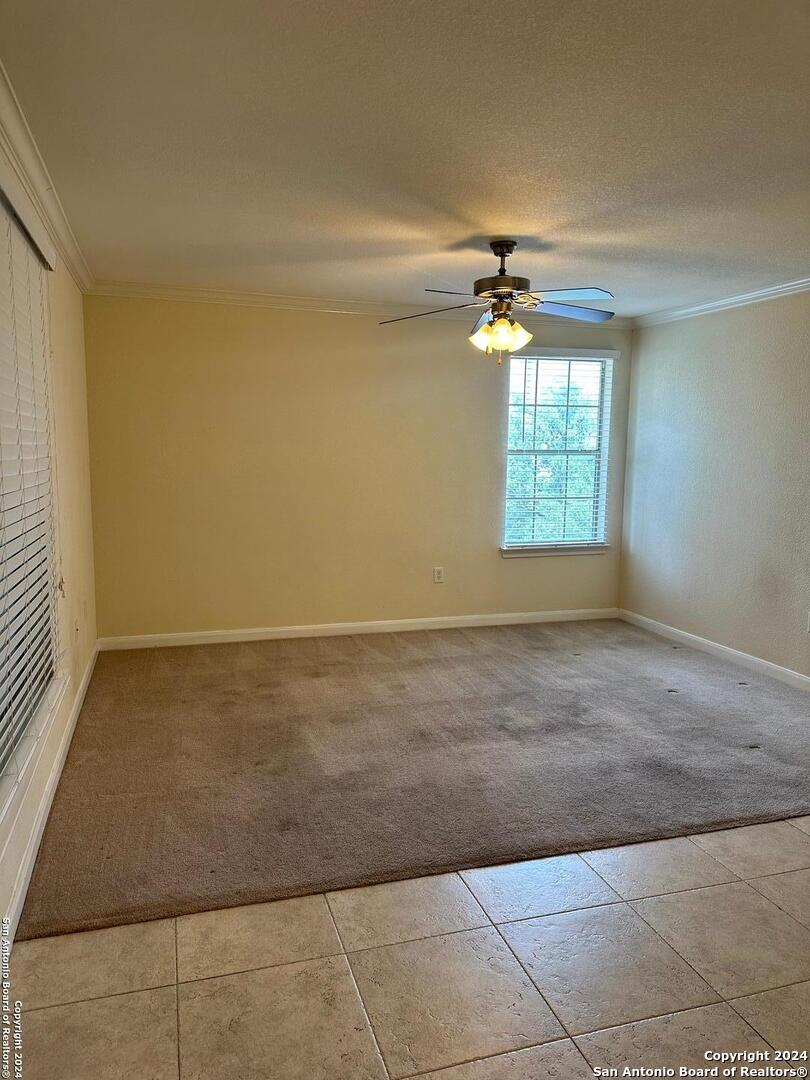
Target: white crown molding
(198, 295)
(379, 309)
(772, 292)
(23, 159)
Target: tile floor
(648, 954)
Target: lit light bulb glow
(502, 335)
(482, 339)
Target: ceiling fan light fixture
(520, 336)
(496, 330)
(482, 339)
(506, 335)
(502, 334)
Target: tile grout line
(540, 992)
(748, 1022)
(423, 937)
(98, 997)
(789, 914)
(770, 989)
(497, 930)
(672, 1012)
(694, 837)
(756, 993)
(716, 858)
(656, 1016)
(468, 887)
(677, 953)
(691, 966)
(773, 903)
(722, 997)
(484, 1057)
(261, 967)
(661, 937)
(699, 888)
(776, 873)
(357, 988)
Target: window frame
(558, 547)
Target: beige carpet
(205, 777)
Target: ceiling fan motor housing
(490, 288)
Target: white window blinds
(27, 617)
(557, 452)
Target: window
(557, 451)
(27, 622)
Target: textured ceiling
(365, 150)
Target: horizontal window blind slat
(15, 670)
(22, 519)
(16, 544)
(20, 671)
(17, 630)
(22, 494)
(35, 590)
(20, 675)
(27, 613)
(22, 590)
(14, 723)
(17, 566)
(16, 646)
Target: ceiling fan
(496, 330)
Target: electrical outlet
(438, 575)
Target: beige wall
(256, 468)
(77, 611)
(717, 507)
(75, 544)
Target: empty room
(404, 540)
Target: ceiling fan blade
(482, 320)
(420, 314)
(573, 294)
(570, 311)
(448, 292)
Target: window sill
(533, 550)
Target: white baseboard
(386, 626)
(746, 660)
(26, 866)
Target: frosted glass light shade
(482, 339)
(520, 337)
(503, 335)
